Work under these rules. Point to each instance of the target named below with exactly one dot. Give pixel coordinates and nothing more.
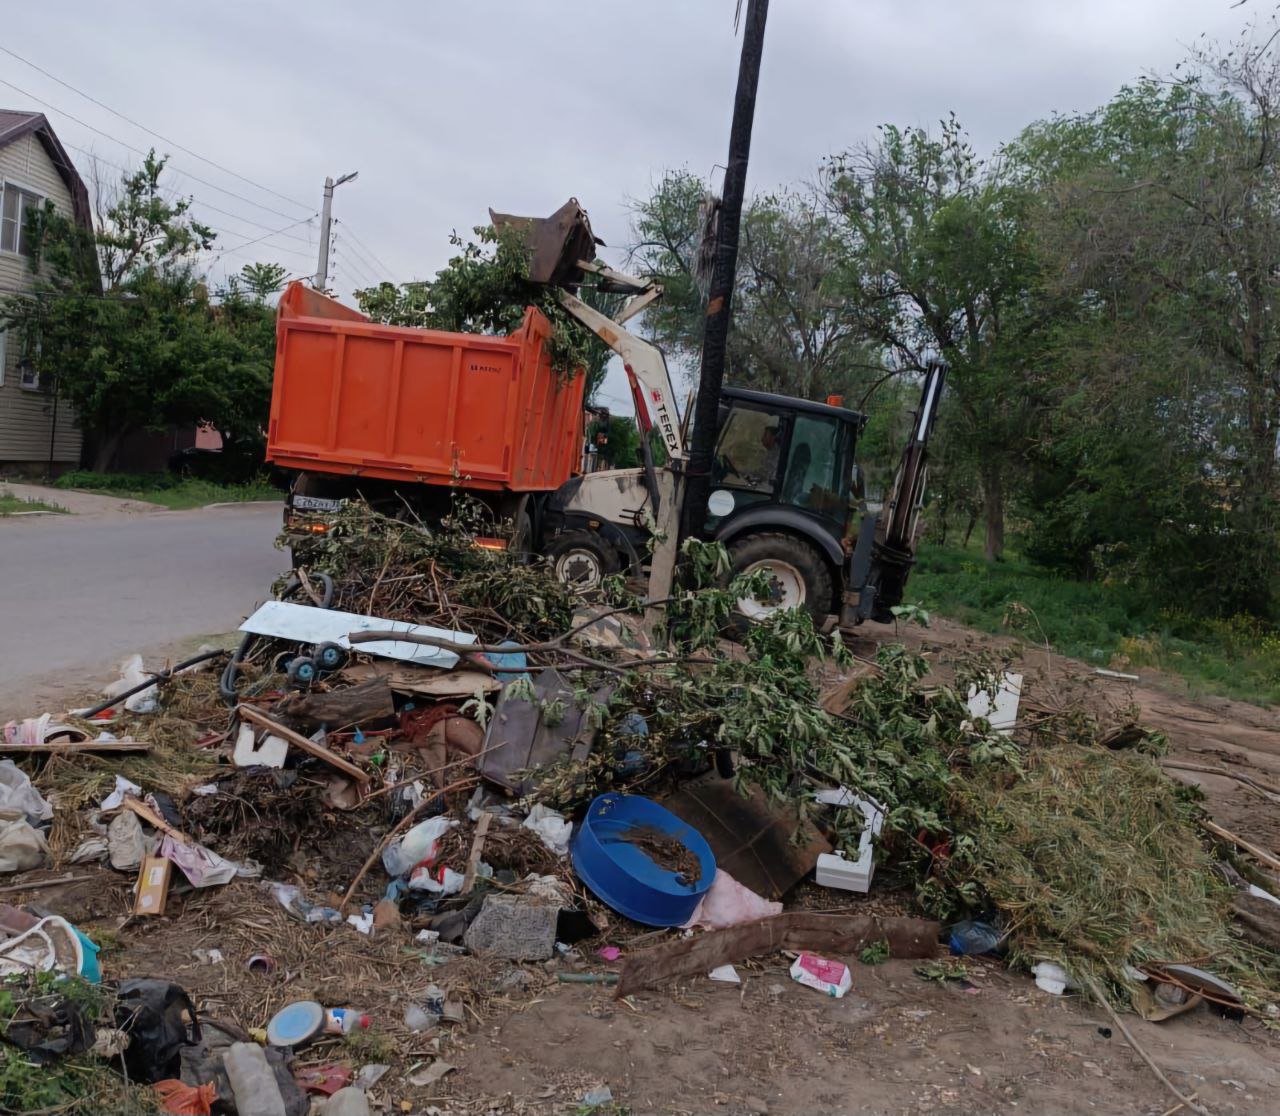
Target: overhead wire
(208, 205)
(138, 151)
(373, 269)
(151, 132)
(373, 256)
(259, 239)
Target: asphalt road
(79, 593)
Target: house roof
(15, 124)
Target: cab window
(816, 466)
(749, 450)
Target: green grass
(11, 504)
(176, 493)
(1113, 626)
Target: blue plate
(623, 875)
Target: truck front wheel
(581, 559)
(799, 576)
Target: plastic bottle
(419, 1019)
(252, 1081)
(342, 1021)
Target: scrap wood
(368, 701)
(1271, 793)
(319, 751)
(819, 933)
(40, 885)
(425, 681)
(153, 819)
(1137, 1049)
(477, 850)
(1269, 859)
(94, 746)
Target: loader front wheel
(799, 576)
(581, 559)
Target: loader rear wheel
(799, 576)
(581, 559)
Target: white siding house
(33, 168)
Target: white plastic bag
(17, 793)
(417, 845)
(551, 826)
(132, 674)
(728, 903)
(21, 847)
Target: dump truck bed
(354, 397)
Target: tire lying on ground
(799, 576)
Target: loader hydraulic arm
(646, 368)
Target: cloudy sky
(446, 107)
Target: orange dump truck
(394, 414)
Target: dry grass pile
(1094, 860)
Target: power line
(139, 151)
(150, 132)
(372, 254)
(199, 201)
(260, 239)
(353, 266)
(357, 254)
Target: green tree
(936, 261)
(791, 331)
(617, 440)
(262, 280)
(485, 288)
(123, 325)
(1162, 224)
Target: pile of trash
(433, 766)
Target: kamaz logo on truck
(480, 366)
(663, 418)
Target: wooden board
(97, 747)
(751, 837)
(518, 738)
(319, 751)
(425, 681)
(361, 704)
(824, 934)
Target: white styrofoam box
(1005, 714)
(835, 870)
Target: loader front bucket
(556, 243)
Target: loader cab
(785, 455)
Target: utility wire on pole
(720, 294)
(326, 220)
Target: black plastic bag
(48, 1028)
(150, 1012)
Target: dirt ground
(896, 1044)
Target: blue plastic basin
(623, 875)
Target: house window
(14, 207)
(28, 367)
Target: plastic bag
(21, 847)
(728, 903)
(151, 1012)
(552, 827)
(417, 845)
(132, 674)
(51, 945)
(17, 793)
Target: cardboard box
(153, 886)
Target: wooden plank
(95, 746)
(819, 933)
(1269, 859)
(153, 819)
(424, 681)
(319, 751)
(477, 850)
(368, 701)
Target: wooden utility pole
(719, 297)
